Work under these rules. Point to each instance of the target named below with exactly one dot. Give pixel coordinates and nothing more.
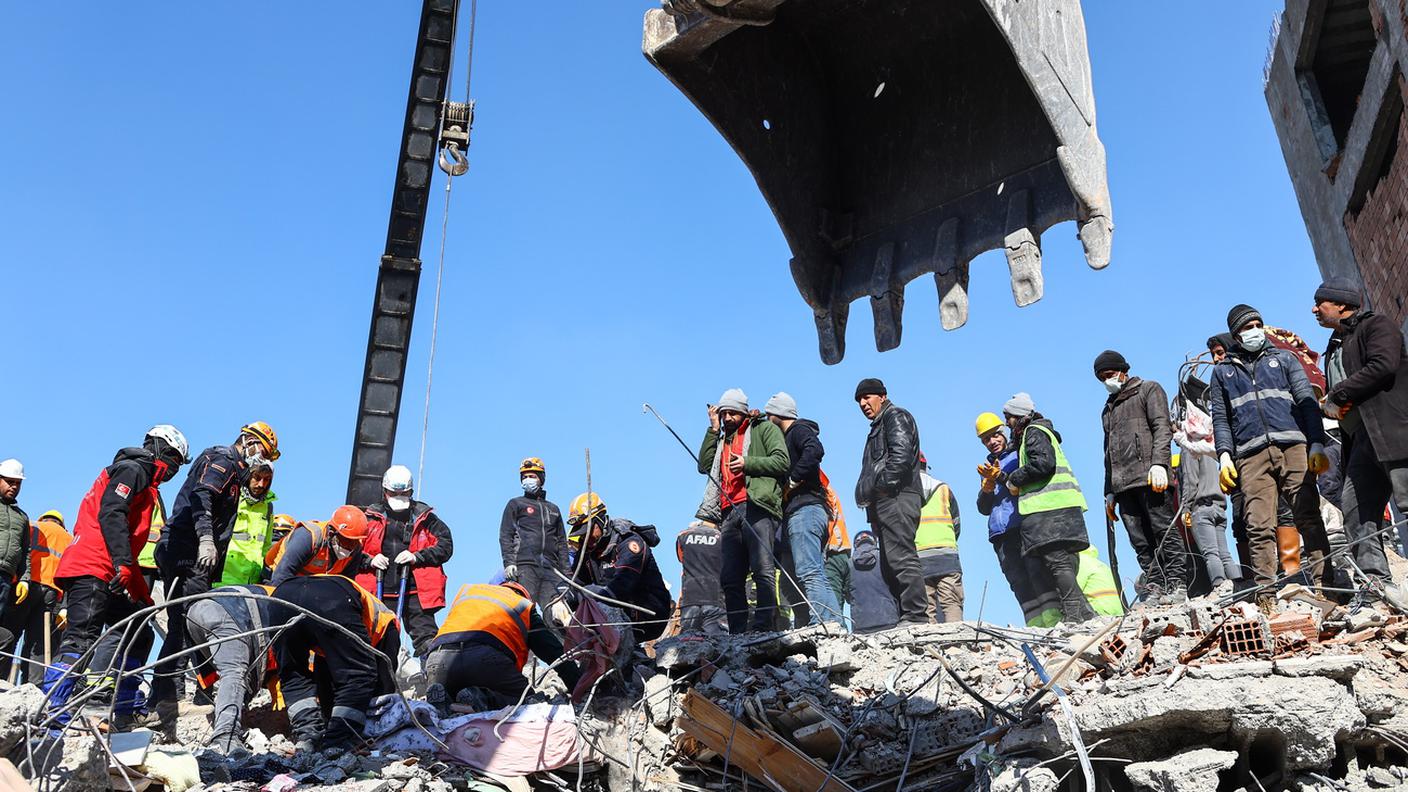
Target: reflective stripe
(1264, 393)
(1061, 491)
(349, 714)
(300, 705)
(516, 612)
(1283, 438)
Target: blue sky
(195, 204)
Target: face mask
(1114, 384)
(531, 485)
(1254, 339)
(340, 552)
(397, 503)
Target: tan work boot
(1288, 546)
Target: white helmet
(12, 469)
(173, 438)
(397, 479)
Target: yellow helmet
(584, 506)
(264, 433)
(283, 523)
(533, 465)
(53, 514)
(986, 423)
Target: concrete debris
(1191, 771)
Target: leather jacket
(890, 463)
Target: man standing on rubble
(1366, 368)
(532, 538)
(36, 615)
(1264, 415)
(892, 494)
(1138, 469)
(252, 534)
(1050, 502)
(937, 543)
(701, 563)
(746, 461)
(805, 517)
(14, 538)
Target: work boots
(308, 726)
(1288, 547)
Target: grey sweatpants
(1210, 534)
(207, 621)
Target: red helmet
(517, 588)
(349, 522)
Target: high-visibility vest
(147, 558)
(838, 540)
(276, 551)
(1097, 583)
(1058, 492)
(323, 561)
(936, 521)
(46, 544)
(244, 559)
(376, 617)
(495, 610)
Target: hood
(1047, 423)
(621, 527)
(864, 551)
(809, 423)
(135, 454)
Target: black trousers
(1158, 544)
(91, 609)
(178, 581)
(420, 623)
(476, 665)
(746, 538)
(1031, 584)
(541, 584)
(895, 522)
(27, 620)
(1061, 563)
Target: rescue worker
(484, 645)
(36, 615)
(873, 607)
(407, 539)
(323, 548)
(241, 660)
(1138, 469)
(191, 553)
(937, 543)
(1270, 439)
(354, 668)
(532, 537)
(1097, 583)
(1031, 584)
(1050, 502)
(701, 562)
(838, 547)
(14, 538)
(98, 571)
(278, 534)
(252, 535)
(620, 564)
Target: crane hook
(453, 161)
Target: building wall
(1378, 232)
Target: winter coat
(14, 543)
(1000, 506)
(113, 519)
(1050, 530)
(1197, 479)
(700, 551)
(765, 466)
(628, 571)
(872, 605)
(423, 533)
(205, 506)
(1137, 435)
(531, 533)
(890, 463)
(1376, 380)
(1262, 399)
(804, 453)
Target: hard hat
(350, 523)
(12, 469)
(986, 423)
(53, 514)
(533, 465)
(284, 522)
(517, 588)
(264, 433)
(397, 479)
(588, 504)
(172, 437)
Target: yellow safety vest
(254, 527)
(1058, 492)
(1097, 583)
(936, 521)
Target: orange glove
(989, 471)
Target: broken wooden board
(771, 761)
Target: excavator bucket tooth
(898, 138)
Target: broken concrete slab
(1341, 667)
(1190, 771)
(1246, 668)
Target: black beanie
(1240, 315)
(870, 386)
(1110, 360)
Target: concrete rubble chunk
(660, 700)
(1190, 771)
(1341, 667)
(18, 706)
(1246, 668)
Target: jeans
(806, 539)
(1210, 533)
(895, 521)
(746, 537)
(1368, 485)
(1148, 519)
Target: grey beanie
(734, 399)
(1340, 290)
(782, 405)
(1019, 406)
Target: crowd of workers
(314, 609)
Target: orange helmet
(517, 588)
(349, 522)
(264, 433)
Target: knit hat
(1340, 290)
(1223, 340)
(870, 386)
(782, 405)
(1240, 315)
(1110, 360)
(734, 399)
(1019, 406)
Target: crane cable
(444, 233)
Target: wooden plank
(771, 761)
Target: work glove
(1110, 508)
(407, 558)
(989, 472)
(62, 620)
(1227, 476)
(21, 592)
(1158, 478)
(1014, 489)
(1319, 462)
(205, 554)
(380, 561)
(1336, 411)
(1187, 520)
(511, 572)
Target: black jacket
(1376, 380)
(1052, 530)
(396, 536)
(805, 451)
(626, 568)
(890, 463)
(1137, 435)
(131, 471)
(700, 552)
(205, 506)
(532, 533)
(872, 605)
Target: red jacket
(114, 518)
(426, 532)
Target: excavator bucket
(897, 138)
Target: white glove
(511, 572)
(380, 561)
(205, 554)
(1158, 478)
(1318, 461)
(405, 558)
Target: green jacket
(765, 465)
(14, 542)
(249, 541)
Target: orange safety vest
(376, 617)
(47, 543)
(323, 561)
(276, 551)
(495, 610)
(837, 539)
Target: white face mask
(398, 503)
(1253, 339)
(1113, 384)
(341, 552)
(531, 485)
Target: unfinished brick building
(1336, 90)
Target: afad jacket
(531, 532)
(113, 519)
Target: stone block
(1341, 667)
(1190, 771)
